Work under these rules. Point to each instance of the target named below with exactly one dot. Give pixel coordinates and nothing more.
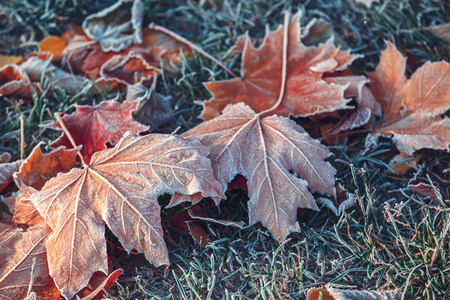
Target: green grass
(393, 238)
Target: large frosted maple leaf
(120, 189)
(306, 93)
(283, 165)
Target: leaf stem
(22, 137)
(192, 45)
(69, 136)
(283, 66)
(30, 286)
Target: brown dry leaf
(7, 170)
(306, 93)
(428, 189)
(39, 168)
(317, 31)
(98, 284)
(19, 250)
(442, 31)
(283, 165)
(116, 27)
(36, 68)
(341, 203)
(34, 172)
(9, 59)
(154, 109)
(412, 108)
(198, 233)
(53, 45)
(402, 163)
(20, 80)
(13, 80)
(86, 56)
(94, 126)
(129, 69)
(367, 106)
(340, 294)
(120, 189)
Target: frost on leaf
(86, 56)
(129, 69)
(154, 109)
(7, 170)
(283, 165)
(13, 81)
(306, 93)
(34, 172)
(116, 27)
(367, 107)
(120, 189)
(21, 80)
(19, 250)
(412, 108)
(94, 126)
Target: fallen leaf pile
(110, 50)
(55, 244)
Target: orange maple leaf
(306, 93)
(412, 108)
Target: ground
(392, 238)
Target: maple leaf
(412, 108)
(20, 252)
(281, 162)
(129, 69)
(427, 188)
(34, 172)
(120, 189)
(306, 93)
(116, 27)
(94, 126)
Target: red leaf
(93, 127)
(306, 93)
(95, 290)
